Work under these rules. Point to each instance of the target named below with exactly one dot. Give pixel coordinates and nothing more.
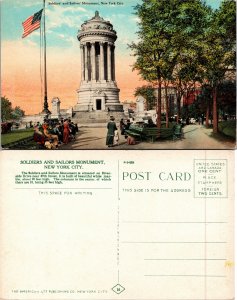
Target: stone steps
(96, 117)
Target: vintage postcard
(122, 75)
(99, 225)
(81, 77)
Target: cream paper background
(156, 245)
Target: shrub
(228, 128)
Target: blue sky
(64, 20)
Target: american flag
(32, 23)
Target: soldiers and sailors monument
(98, 92)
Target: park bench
(153, 133)
(162, 133)
(135, 131)
(178, 132)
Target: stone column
(102, 69)
(109, 61)
(93, 60)
(113, 64)
(86, 62)
(82, 62)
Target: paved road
(194, 137)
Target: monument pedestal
(98, 96)
(97, 117)
(55, 108)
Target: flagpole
(45, 109)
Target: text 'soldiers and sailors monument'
(98, 89)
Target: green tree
(204, 102)
(146, 91)
(219, 50)
(191, 24)
(170, 58)
(226, 97)
(17, 113)
(6, 109)
(8, 112)
(169, 32)
(154, 39)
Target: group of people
(112, 137)
(112, 133)
(52, 133)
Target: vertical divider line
(194, 196)
(118, 225)
(205, 237)
(118, 180)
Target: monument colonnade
(97, 61)
(98, 88)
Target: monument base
(98, 96)
(114, 107)
(97, 117)
(89, 108)
(55, 116)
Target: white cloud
(31, 43)
(59, 16)
(61, 35)
(73, 9)
(134, 19)
(36, 33)
(71, 40)
(24, 3)
(124, 40)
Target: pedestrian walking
(122, 126)
(111, 126)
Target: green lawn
(16, 135)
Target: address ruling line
(53, 188)
(172, 222)
(188, 259)
(204, 242)
(183, 275)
